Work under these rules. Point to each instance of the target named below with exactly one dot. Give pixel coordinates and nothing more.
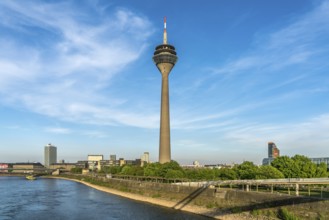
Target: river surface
(64, 199)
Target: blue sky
(79, 75)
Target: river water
(64, 199)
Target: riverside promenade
(206, 200)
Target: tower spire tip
(165, 30)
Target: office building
(50, 155)
(273, 151)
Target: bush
(76, 170)
(284, 214)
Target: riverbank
(200, 210)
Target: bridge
(38, 170)
(294, 183)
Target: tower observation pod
(165, 58)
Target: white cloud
(58, 130)
(294, 44)
(306, 137)
(61, 74)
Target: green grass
(157, 195)
(284, 214)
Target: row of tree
(282, 167)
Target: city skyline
(79, 74)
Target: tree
(321, 170)
(246, 170)
(227, 174)
(175, 174)
(111, 169)
(132, 170)
(152, 169)
(305, 167)
(76, 170)
(161, 170)
(286, 166)
(269, 172)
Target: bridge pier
(297, 189)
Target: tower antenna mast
(165, 31)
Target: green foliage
(152, 169)
(268, 172)
(246, 170)
(166, 170)
(201, 174)
(284, 214)
(132, 170)
(286, 166)
(299, 167)
(227, 174)
(76, 170)
(305, 167)
(175, 174)
(111, 169)
(321, 170)
(157, 195)
(282, 167)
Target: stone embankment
(222, 203)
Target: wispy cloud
(294, 44)
(58, 130)
(306, 135)
(281, 67)
(62, 75)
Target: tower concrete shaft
(164, 142)
(165, 59)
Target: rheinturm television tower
(165, 59)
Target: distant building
(122, 162)
(63, 166)
(83, 164)
(273, 151)
(104, 163)
(4, 167)
(113, 160)
(145, 158)
(50, 155)
(94, 161)
(196, 163)
(218, 166)
(28, 168)
(321, 160)
(113, 157)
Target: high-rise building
(50, 155)
(145, 158)
(273, 151)
(165, 58)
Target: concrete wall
(226, 200)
